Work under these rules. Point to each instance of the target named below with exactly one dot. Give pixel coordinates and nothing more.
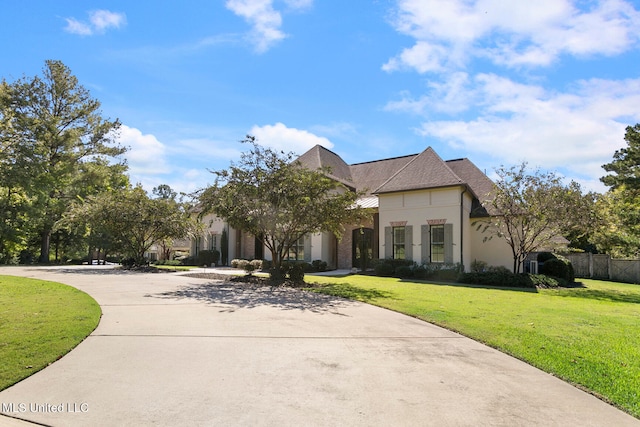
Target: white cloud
(264, 19)
(99, 22)
(76, 27)
(450, 33)
(577, 130)
(146, 155)
(280, 137)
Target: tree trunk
(45, 247)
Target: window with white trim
(437, 243)
(296, 251)
(398, 243)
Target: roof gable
(426, 170)
(369, 176)
(319, 157)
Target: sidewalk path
(172, 350)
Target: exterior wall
(493, 250)
(248, 246)
(329, 250)
(418, 208)
(211, 235)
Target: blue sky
(552, 82)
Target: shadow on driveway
(241, 295)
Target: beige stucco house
(423, 210)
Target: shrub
(190, 260)
(208, 258)
(543, 281)
(478, 266)
(545, 256)
(558, 267)
(384, 269)
(257, 264)
(389, 267)
(248, 267)
(277, 274)
(501, 277)
(403, 272)
(296, 272)
(235, 263)
(421, 272)
(319, 265)
(446, 272)
(128, 262)
(243, 264)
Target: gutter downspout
(462, 226)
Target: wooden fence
(597, 266)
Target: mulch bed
(247, 280)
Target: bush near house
(503, 277)
(556, 266)
(407, 269)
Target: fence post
(590, 265)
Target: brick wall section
(345, 249)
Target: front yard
(588, 336)
(40, 322)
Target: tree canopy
(531, 208)
(618, 210)
(130, 222)
(56, 147)
(272, 196)
(625, 166)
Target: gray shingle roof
(319, 157)
(426, 170)
(414, 172)
(369, 176)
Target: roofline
(461, 184)
(384, 160)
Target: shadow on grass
(601, 295)
(233, 296)
(470, 285)
(345, 290)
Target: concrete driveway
(174, 351)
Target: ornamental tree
(130, 222)
(272, 196)
(529, 209)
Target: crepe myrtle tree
(131, 221)
(272, 196)
(529, 208)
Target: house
(423, 209)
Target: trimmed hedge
(407, 269)
(506, 279)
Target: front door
(362, 247)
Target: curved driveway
(173, 351)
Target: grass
(176, 267)
(40, 322)
(588, 336)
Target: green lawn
(176, 267)
(588, 336)
(40, 322)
